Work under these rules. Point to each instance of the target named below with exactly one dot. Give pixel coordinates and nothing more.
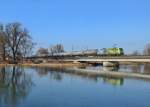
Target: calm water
(37, 87)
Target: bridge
(115, 59)
(105, 60)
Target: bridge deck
(97, 58)
(113, 60)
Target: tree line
(58, 48)
(146, 51)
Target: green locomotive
(113, 51)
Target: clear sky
(82, 23)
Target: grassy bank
(54, 64)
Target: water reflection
(114, 81)
(110, 68)
(132, 68)
(136, 68)
(15, 85)
(51, 84)
(42, 71)
(101, 68)
(147, 68)
(53, 75)
(59, 73)
(56, 73)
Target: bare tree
(147, 49)
(136, 52)
(17, 38)
(2, 42)
(26, 50)
(56, 49)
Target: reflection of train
(114, 81)
(94, 52)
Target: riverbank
(59, 65)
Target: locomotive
(112, 51)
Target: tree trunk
(14, 58)
(4, 53)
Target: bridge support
(110, 64)
(45, 61)
(76, 62)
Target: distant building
(42, 52)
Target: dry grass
(54, 65)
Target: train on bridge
(92, 52)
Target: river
(46, 87)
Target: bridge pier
(110, 64)
(45, 61)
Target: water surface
(130, 68)
(45, 87)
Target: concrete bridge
(113, 60)
(105, 60)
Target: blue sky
(82, 23)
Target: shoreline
(46, 65)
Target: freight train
(93, 52)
